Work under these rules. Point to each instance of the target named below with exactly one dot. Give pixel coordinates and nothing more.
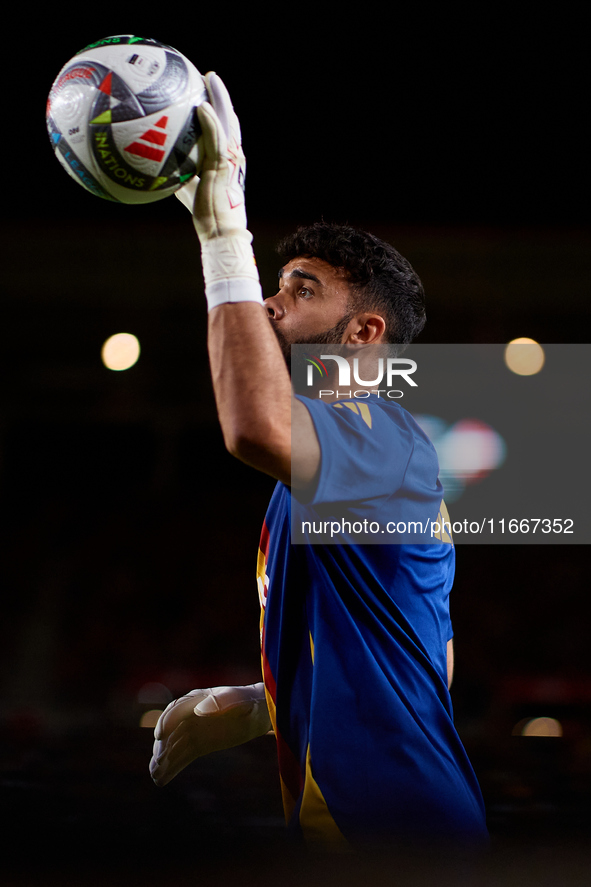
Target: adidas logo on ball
(146, 147)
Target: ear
(366, 329)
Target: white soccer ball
(122, 121)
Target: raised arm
(251, 382)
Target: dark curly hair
(381, 279)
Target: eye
(305, 292)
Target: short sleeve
(365, 449)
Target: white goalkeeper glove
(216, 200)
(205, 721)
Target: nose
(275, 306)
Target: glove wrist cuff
(232, 290)
(229, 270)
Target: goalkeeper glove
(216, 201)
(205, 721)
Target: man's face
(312, 305)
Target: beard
(333, 336)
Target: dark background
(129, 536)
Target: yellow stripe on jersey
(444, 525)
(361, 409)
(365, 414)
(317, 824)
(287, 800)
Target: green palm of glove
(205, 721)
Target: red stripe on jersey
(289, 767)
(264, 542)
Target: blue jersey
(354, 644)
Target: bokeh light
(149, 719)
(524, 356)
(468, 451)
(120, 352)
(471, 449)
(538, 727)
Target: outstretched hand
(205, 721)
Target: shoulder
(374, 413)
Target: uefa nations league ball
(122, 121)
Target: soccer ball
(121, 119)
